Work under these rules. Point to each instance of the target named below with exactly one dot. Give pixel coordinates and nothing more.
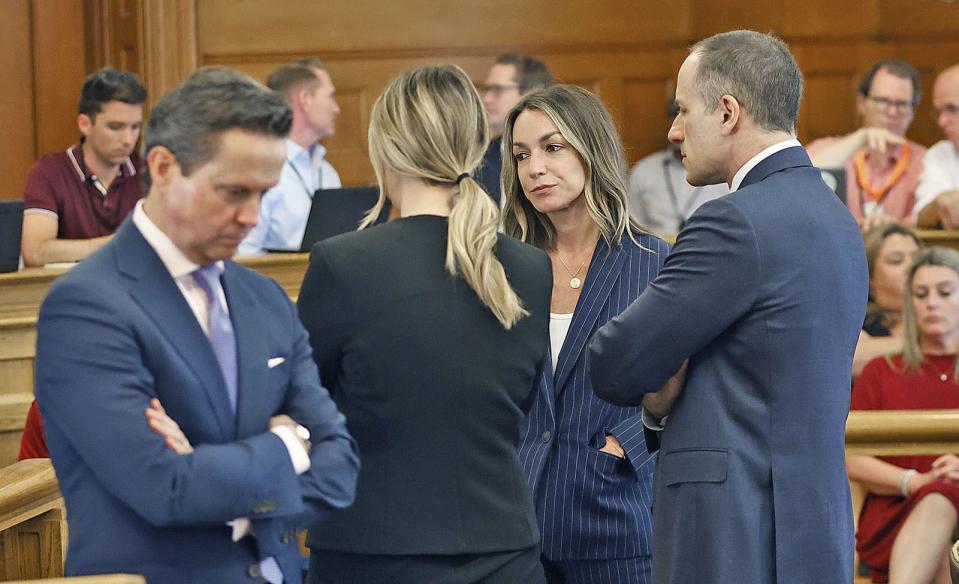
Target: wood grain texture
(18, 149)
(59, 57)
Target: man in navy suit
(160, 319)
(764, 294)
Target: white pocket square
(271, 363)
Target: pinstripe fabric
(611, 571)
(591, 505)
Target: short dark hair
(897, 68)
(107, 85)
(531, 73)
(213, 100)
(755, 68)
(294, 73)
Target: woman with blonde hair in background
(890, 250)
(585, 460)
(909, 517)
(429, 332)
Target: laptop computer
(336, 211)
(11, 228)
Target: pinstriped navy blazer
(589, 504)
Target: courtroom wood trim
(28, 488)
(902, 432)
(13, 410)
(441, 53)
(168, 44)
(102, 579)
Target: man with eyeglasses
(937, 197)
(882, 166)
(511, 78)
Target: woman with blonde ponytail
(429, 331)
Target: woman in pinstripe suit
(586, 461)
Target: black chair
(11, 229)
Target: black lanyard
(306, 187)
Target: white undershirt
(558, 329)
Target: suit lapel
(161, 299)
(252, 353)
(604, 272)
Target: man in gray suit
(764, 294)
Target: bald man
(937, 197)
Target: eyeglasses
(886, 103)
(498, 90)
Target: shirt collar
(75, 154)
(175, 261)
(755, 160)
(294, 151)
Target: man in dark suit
(160, 319)
(512, 77)
(764, 294)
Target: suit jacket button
(254, 571)
(547, 435)
(285, 538)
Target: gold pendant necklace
(574, 281)
(943, 375)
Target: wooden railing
(937, 237)
(903, 432)
(33, 527)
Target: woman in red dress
(910, 514)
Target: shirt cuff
(241, 528)
(650, 422)
(298, 456)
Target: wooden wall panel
(922, 20)
(229, 27)
(18, 147)
(59, 52)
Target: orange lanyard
(898, 170)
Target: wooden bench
(33, 527)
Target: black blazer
(433, 388)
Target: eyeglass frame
(885, 102)
(498, 90)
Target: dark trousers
(513, 567)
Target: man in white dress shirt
(937, 197)
(309, 91)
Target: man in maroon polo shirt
(74, 200)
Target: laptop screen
(11, 227)
(336, 211)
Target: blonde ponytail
(473, 224)
(430, 123)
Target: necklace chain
(943, 375)
(574, 281)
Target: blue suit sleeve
(709, 280)
(94, 385)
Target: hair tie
(460, 178)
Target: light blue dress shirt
(286, 207)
